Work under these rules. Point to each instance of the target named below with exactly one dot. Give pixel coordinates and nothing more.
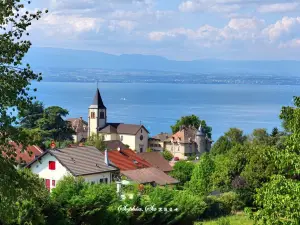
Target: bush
(215, 208)
(231, 199)
(167, 155)
(223, 221)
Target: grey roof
(98, 100)
(114, 145)
(162, 136)
(80, 160)
(149, 175)
(121, 128)
(200, 131)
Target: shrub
(215, 208)
(223, 221)
(167, 155)
(231, 199)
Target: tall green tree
(192, 120)
(235, 136)
(277, 200)
(30, 116)
(182, 171)
(201, 182)
(97, 141)
(15, 77)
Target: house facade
(81, 129)
(86, 162)
(134, 136)
(186, 142)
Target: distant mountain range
(75, 59)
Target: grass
(239, 219)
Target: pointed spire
(200, 131)
(98, 100)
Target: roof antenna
(97, 85)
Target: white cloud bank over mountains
(177, 29)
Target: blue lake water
(158, 106)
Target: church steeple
(98, 100)
(97, 114)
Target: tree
(222, 146)
(15, 78)
(30, 116)
(24, 199)
(235, 135)
(97, 141)
(191, 121)
(201, 183)
(167, 155)
(182, 171)
(278, 200)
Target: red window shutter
(48, 184)
(51, 165)
(53, 183)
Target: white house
(86, 162)
(135, 136)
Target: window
(51, 165)
(141, 137)
(141, 130)
(105, 180)
(93, 115)
(53, 183)
(102, 115)
(47, 184)
(101, 180)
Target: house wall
(128, 140)
(156, 145)
(141, 143)
(181, 150)
(96, 177)
(41, 167)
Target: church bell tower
(97, 114)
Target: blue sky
(176, 29)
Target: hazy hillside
(65, 58)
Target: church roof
(120, 128)
(98, 100)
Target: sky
(175, 29)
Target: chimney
(81, 118)
(119, 149)
(106, 158)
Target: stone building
(186, 142)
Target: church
(132, 135)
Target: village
(129, 154)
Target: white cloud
(284, 28)
(221, 6)
(295, 43)
(278, 8)
(236, 29)
(126, 25)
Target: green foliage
(222, 146)
(223, 221)
(182, 171)
(235, 136)
(86, 203)
(23, 198)
(15, 78)
(149, 150)
(200, 182)
(29, 118)
(279, 202)
(97, 141)
(191, 121)
(167, 155)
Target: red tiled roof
(127, 160)
(28, 155)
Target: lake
(158, 106)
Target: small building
(157, 160)
(138, 170)
(81, 129)
(86, 162)
(186, 142)
(157, 143)
(133, 135)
